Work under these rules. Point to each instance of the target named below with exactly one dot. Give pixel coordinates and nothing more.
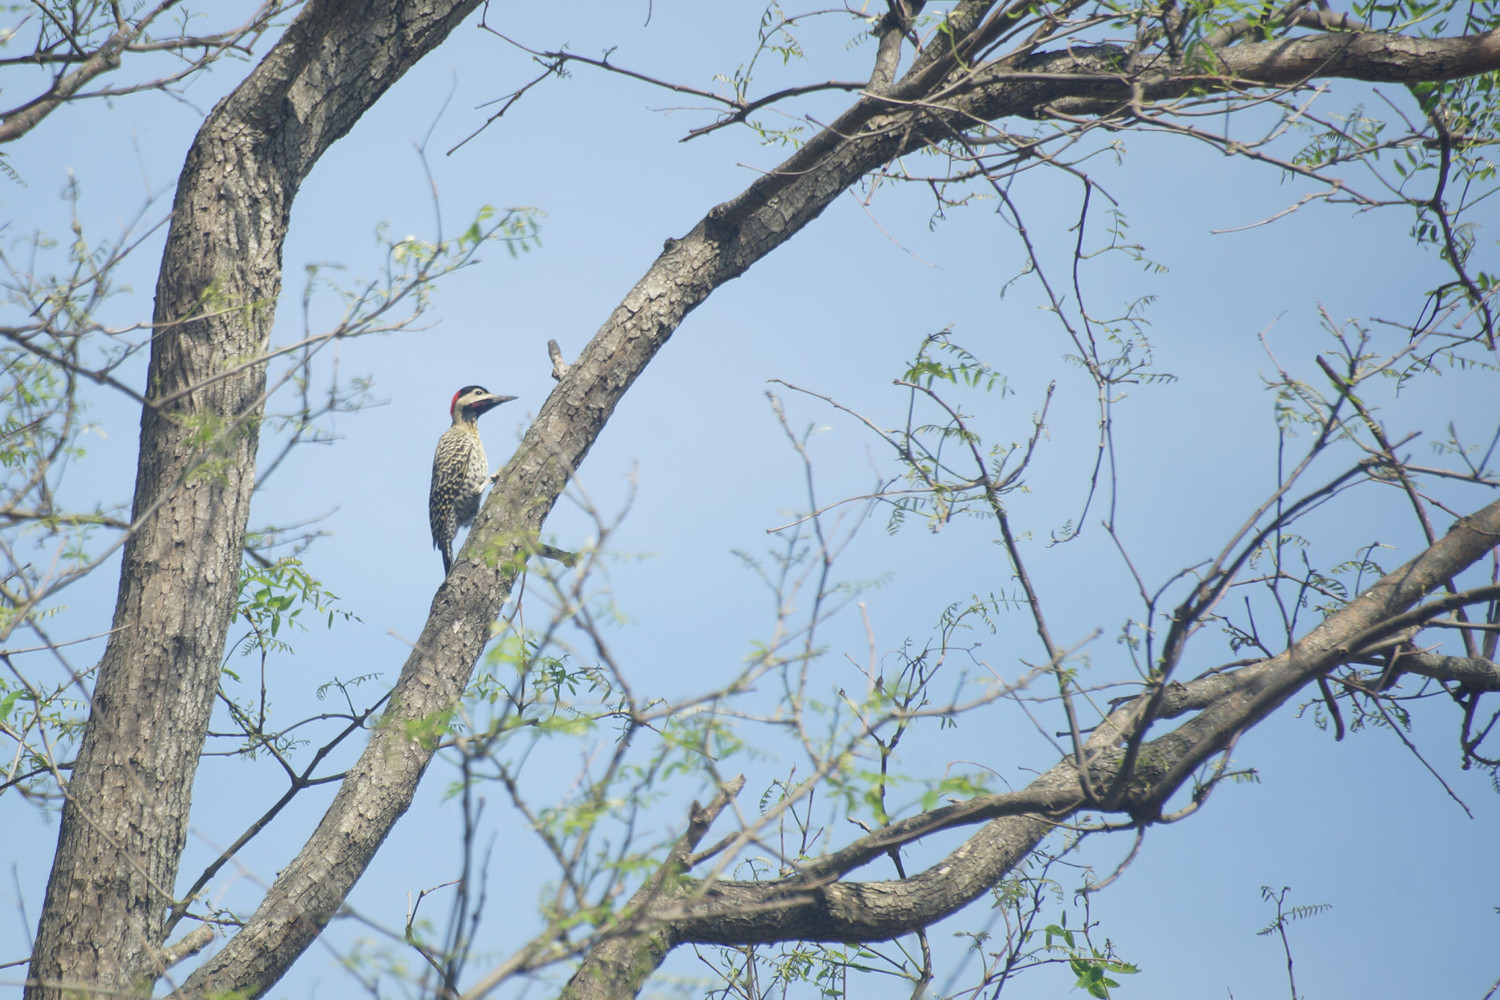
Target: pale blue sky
(1358, 824)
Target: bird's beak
(486, 403)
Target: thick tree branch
(1473, 673)
(809, 907)
(1100, 85)
(1377, 57)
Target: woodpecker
(459, 468)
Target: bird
(459, 468)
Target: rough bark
(1474, 674)
(125, 818)
(1100, 87)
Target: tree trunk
(125, 817)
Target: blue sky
(697, 456)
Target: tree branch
(809, 906)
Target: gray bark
(125, 818)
